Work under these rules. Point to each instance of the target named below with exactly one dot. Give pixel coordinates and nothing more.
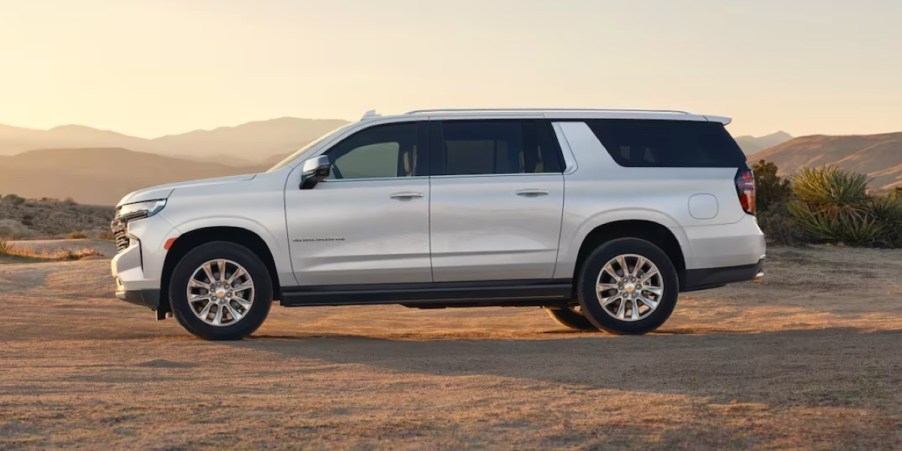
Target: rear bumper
(701, 279)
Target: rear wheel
(627, 286)
(570, 316)
(220, 291)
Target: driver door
(368, 223)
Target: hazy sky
(167, 66)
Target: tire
(234, 258)
(641, 307)
(570, 317)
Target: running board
(434, 295)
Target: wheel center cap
(220, 292)
(629, 287)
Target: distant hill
(99, 176)
(51, 218)
(752, 144)
(253, 143)
(878, 156)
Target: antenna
(370, 115)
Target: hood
(164, 191)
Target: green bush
(778, 227)
(771, 190)
(831, 205)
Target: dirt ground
(810, 358)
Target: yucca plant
(831, 190)
(888, 210)
(832, 205)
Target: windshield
(294, 156)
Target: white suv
(601, 217)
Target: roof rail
(539, 110)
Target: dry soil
(810, 358)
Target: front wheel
(220, 291)
(627, 286)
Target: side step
(434, 295)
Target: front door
(368, 223)
(497, 200)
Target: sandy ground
(811, 358)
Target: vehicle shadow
(834, 366)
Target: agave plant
(832, 205)
(830, 185)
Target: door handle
(532, 192)
(406, 195)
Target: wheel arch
(649, 230)
(238, 235)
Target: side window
(498, 147)
(377, 152)
(667, 143)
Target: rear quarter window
(668, 144)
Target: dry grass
(8, 250)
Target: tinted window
(642, 143)
(498, 147)
(377, 152)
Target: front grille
(120, 235)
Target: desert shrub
(778, 226)
(105, 234)
(76, 235)
(772, 194)
(14, 199)
(888, 210)
(771, 190)
(68, 254)
(831, 205)
(5, 248)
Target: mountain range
(878, 156)
(99, 166)
(253, 143)
(752, 144)
(99, 176)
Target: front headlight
(139, 210)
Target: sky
(156, 67)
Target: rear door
(497, 194)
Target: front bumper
(137, 267)
(146, 298)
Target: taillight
(745, 188)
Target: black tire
(568, 317)
(588, 277)
(253, 317)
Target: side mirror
(314, 171)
